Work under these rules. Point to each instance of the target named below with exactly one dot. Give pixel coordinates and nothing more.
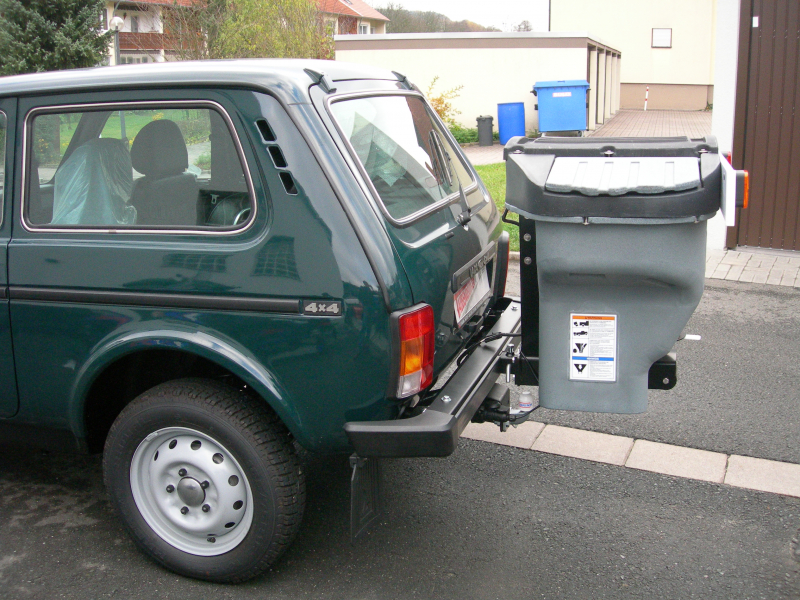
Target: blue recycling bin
(510, 120)
(562, 104)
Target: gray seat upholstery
(166, 195)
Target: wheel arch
(153, 357)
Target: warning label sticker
(593, 347)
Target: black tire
(231, 424)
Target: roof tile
(354, 8)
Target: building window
(134, 24)
(133, 60)
(363, 29)
(662, 38)
(104, 19)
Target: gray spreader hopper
(613, 245)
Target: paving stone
(764, 475)
(720, 272)
(760, 278)
(729, 260)
(588, 445)
(678, 461)
(765, 258)
(519, 437)
(734, 272)
(747, 276)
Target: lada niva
(205, 264)
(208, 264)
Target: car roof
(284, 77)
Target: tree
(415, 21)
(523, 26)
(47, 35)
(246, 29)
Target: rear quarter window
(138, 167)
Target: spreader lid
(615, 176)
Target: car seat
(93, 186)
(166, 195)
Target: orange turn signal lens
(416, 351)
(746, 189)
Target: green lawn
(494, 177)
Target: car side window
(140, 167)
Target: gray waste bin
(614, 233)
(485, 137)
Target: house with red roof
(352, 17)
(141, 37)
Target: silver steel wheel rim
(191, 491)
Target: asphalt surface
(737, 388)
(488, 522)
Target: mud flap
(365, 494)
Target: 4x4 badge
(324, 308)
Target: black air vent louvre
(288, 183)
(277, 157)
(266, 131)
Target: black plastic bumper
(435, 431)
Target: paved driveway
(626, 123)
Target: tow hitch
(497, 409)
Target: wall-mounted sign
(662, 38)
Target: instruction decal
(593, 347)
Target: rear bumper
(435, 431)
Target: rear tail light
(417, 331)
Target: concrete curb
(666, 459)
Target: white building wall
(727, 52)
(627, 26)
(489, 75)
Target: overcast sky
(503, 14)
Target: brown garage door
(767, 128)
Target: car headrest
(159, 150)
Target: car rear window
(408, 159)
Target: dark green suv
(208, 263)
